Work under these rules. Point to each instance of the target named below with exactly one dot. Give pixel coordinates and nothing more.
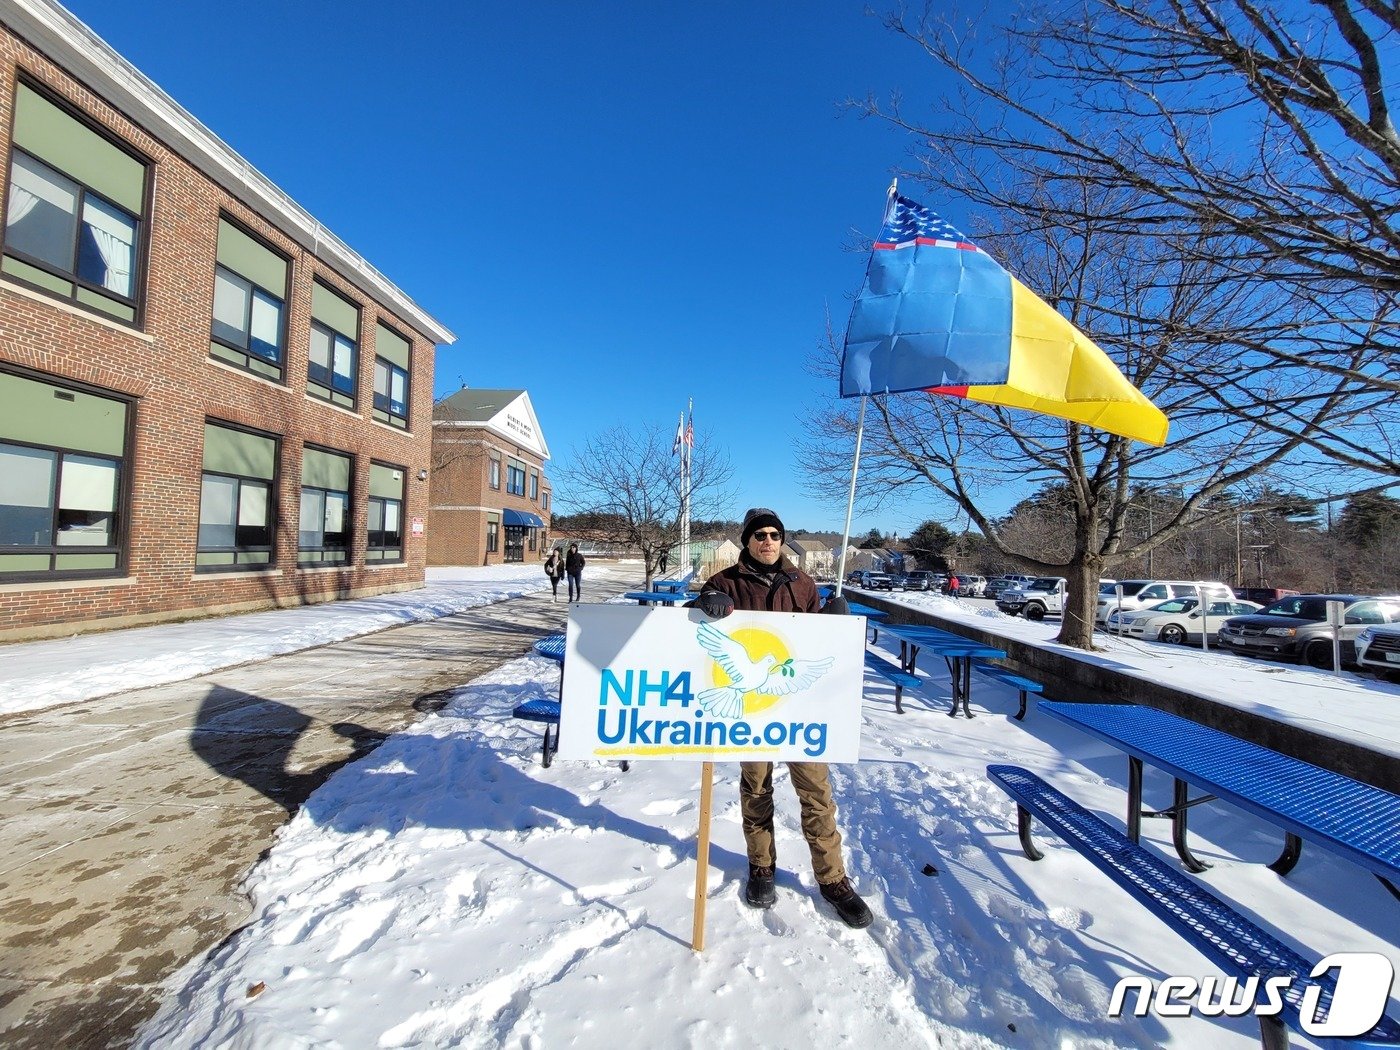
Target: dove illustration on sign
(767, 675)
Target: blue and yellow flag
(939, 314)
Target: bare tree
(1254, 137)
(631, 481)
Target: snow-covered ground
(447, 890)
(35, 675)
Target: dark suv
(919, 580)
(1296, 627)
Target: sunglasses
(769, 535)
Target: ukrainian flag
(939, 314)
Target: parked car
(1378, 650)
(1046, 594)
(1139, 594)
(1178, 620)
(1263, 595)
(877, 581)
(1296, 627)
(972, 586)
(919, 580)
(996, 585)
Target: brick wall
(166, 368)
(462, 495)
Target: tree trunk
(1077, 621)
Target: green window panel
(68, 144)
(228, 451)
(34, 275)
(386, 482)
(325, 470)
(335, 312)
(24, 562)
(85, 561)
(247, 256)
(391, 346)
(44, 414)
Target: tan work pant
(813, 788)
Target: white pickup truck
(1035, 599)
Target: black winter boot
(759, 892)
(843, 897)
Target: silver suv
(1139, 594)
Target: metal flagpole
(850, 499)
(860, 432)
(685, 487)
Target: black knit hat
(757, 518)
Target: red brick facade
(165, 366)
(463, 499)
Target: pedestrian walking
(765, 580)
(661, 564)
(953, 586)
(573, 568)
(554, 569)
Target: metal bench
(1007, 677)
(1221, 934)
(538, 709)
(901, 680)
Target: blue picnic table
(957, 652)
(546, 712)
(1355, 820)
(657, 597)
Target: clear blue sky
(613, 205)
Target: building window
(385, 518)
(74, 214)
(393, 355)
(495, 473)
(533, 534)
(250, 291)
(62, 468)
(515, 480)
(534, 486)
(544, 500)
(333, 369)
(323, 535)
(237, 500)
(493, 536)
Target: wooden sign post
(702, 856)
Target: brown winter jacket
(782, 588)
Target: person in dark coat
(554, 569)
(573, 567)
(765, 580)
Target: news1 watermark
(1362, 992)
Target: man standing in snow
(764, 580)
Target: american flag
(910, 223)
(690, 432)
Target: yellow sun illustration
(758, 643)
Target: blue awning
(522, 517)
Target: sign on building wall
(674, 684)
(417, 526)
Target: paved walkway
(130, 821)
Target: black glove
(715, 603)
(837, 605)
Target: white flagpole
(685, 489)
(850, 500)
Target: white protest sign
(673, 684)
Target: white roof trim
(59, 34)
